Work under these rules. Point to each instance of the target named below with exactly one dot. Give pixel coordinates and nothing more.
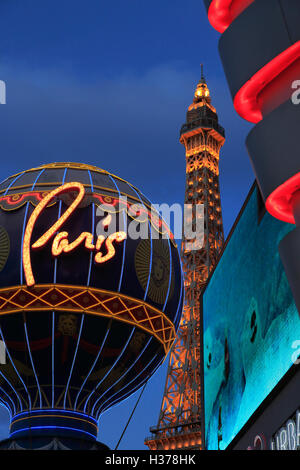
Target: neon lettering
(60, 243)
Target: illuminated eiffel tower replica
(179, 424)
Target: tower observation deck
(179, 424)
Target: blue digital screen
(250, 325)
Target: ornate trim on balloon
(14, 201)
(17, 200)
(74, 166)
(44, 420)
(79, 299)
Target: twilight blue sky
(108, 83)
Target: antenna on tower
(202, 75)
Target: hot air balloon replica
(88, 306)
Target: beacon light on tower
(85, 318)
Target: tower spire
(202, 75)
(179, 424)
(202, 93)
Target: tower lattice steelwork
(179, 424)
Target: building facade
(251, 333)
(260, 51)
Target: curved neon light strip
(21, 279)
(16, 370)
(94, 363)
(21, 282)
(82, 317)
(4, 181)
(246, 101)
(124, 243)
(116, 362)
(279, 204)
(6, 394)
(33, 428)
(17, 420)
(53, 313)
(6, 406)
(10, 199)
(170, 254)
(108, 372)
(151, 249)
(55, 410)
(23, 231)
(128, 370)
(222, 13)
(127, 394)
(32, 364)
(150, 264)
(170, 276)
(92, 231)
(74, 359)
(73, 165)
(13, 181)
(16, 393)
(24, 226)
(58, 217)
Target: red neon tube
(221, 13)
(255, 94)
(279, 203)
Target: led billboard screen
(250, 324)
